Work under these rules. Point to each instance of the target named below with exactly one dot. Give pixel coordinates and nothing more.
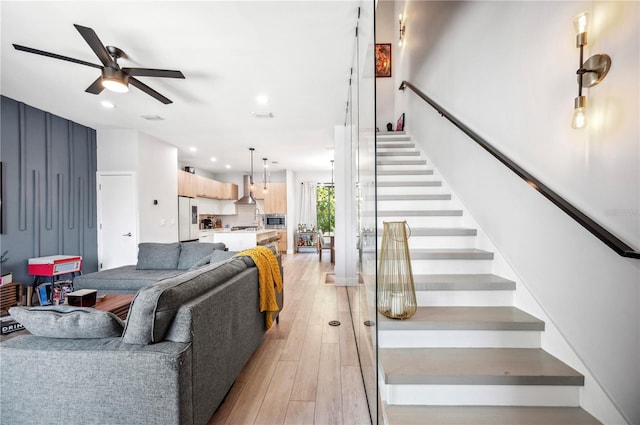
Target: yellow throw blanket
(269, 278)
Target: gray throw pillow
(68, 322)
(158, 256)
(192, 252)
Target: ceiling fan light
(115, 80)
(115, 85)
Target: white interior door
(118, 219)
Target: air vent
(263, 114)
(152, 117)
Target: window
(325, 208)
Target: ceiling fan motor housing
(115, 79)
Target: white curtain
(308, 201)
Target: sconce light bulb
(579, 119)
(581, 22)
(400, 17)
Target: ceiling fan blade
(96, 45)
(96, 87)
(148, 90)
(149, 72)
(54, 55)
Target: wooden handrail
(585, 221)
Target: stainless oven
(275, 221)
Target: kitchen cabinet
(282, 242)
(187, 184)
(275, 200)
(212, 189)
(229, 191)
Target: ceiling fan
(113, 77)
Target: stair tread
(410, 183)
(394, 153)
(464, 282)
(488, 415)
(395, 145)
(450, 254)
(422, 197)
(422, 213)
(405, 172)
(475, 366)
(465, 318)
(401, 162)
(440, 231)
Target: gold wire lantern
(396, 292)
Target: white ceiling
(299, 53)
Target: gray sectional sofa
(184, 343)
(156, 261)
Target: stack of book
(9, 325)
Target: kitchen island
(238, 240)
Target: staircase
(467, 356)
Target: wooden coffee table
(117, 304)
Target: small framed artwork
(383, 60)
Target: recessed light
(213, 159)
(107, 104)
(262, 99)
(227, 166)
(193, 149)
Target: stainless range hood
(247, 196)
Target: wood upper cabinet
(275, 200)
(187, 185)
(193, 185)
(230, 191)
(205, 187)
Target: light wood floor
(305, 371)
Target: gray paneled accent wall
(48, 188)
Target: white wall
(155, 164)
(387, 32)
(507, 70)
(157, 181)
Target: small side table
(10, 295)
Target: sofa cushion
(125, 279)
(158, 256)
(155, 306)
(68, 322)
(192, 253)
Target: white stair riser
(450, 266)
(482, 395)
(391, 149)
(405, 178)
(463, 298)
(460, 339)
(445, 242)
(410, 190)
(387, 167)
(436, 221)
(417, 205)
(399, 155)
(393, 138)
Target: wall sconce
(401, 19)
(591, 71)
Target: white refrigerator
(188, 227)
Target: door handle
(127, 234)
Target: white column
(345, 219)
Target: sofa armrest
(91, 380)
